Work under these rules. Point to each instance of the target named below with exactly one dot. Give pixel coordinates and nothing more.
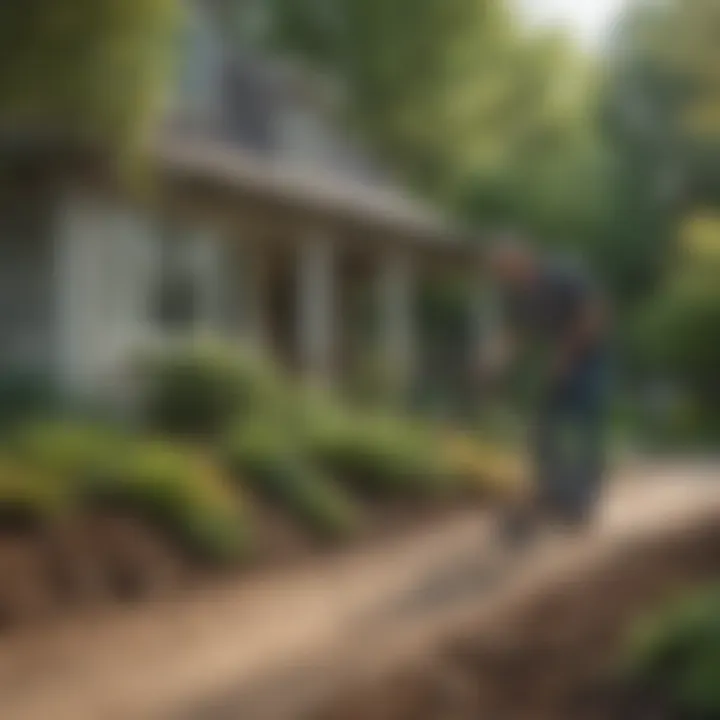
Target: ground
(283, 643)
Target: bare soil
(553, 655)
(98, 559)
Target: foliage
(78, 454)
(418, 97)
(198, 390)
(677, 653)
(274, 466)
(85, 69)
(482, 468)
(684, 337)
(549, 174)
(181, 491)
(660, 81)
(65, 466)
(678, 333)
(27, 494)
(380, 455)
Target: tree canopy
(84, 69)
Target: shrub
(484, 468)
(77, 454)
(677, 653)
(264, 454)
(380, 456)
(30, 495)
(678, 336)
(180, 491)
(200, 389)
(68, 464)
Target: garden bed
(229, 467)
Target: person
(554, 307)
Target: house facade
(268, 228)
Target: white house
(269, 227)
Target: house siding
(110, 265)
(26, 298)
(104, 262)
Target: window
(176, 302)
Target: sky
(589, 20)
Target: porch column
(250, 297)
(482, 319)
(208, 246)
(397, 326)
(315, 305)
(246, 298)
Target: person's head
(511, 261)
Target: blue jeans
(569, 442)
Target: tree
(85, 70)
(661, 100)
(551, 178)
(422, 78)
(679, 328)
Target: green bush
(488, 469)
(75, 453)
(57, 465)
(264, 454)
(678, 338)
(380, 456)
(29, 494)
(200, 389)
(677, 653)
(180, 491)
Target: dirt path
(225, 652)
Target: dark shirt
(548, 310)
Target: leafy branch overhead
(86, 69)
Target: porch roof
(235, 168)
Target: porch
(324, 278)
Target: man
(555, 309)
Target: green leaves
(417, 73)
(677, 653)
(276, 467)
(86, 69)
